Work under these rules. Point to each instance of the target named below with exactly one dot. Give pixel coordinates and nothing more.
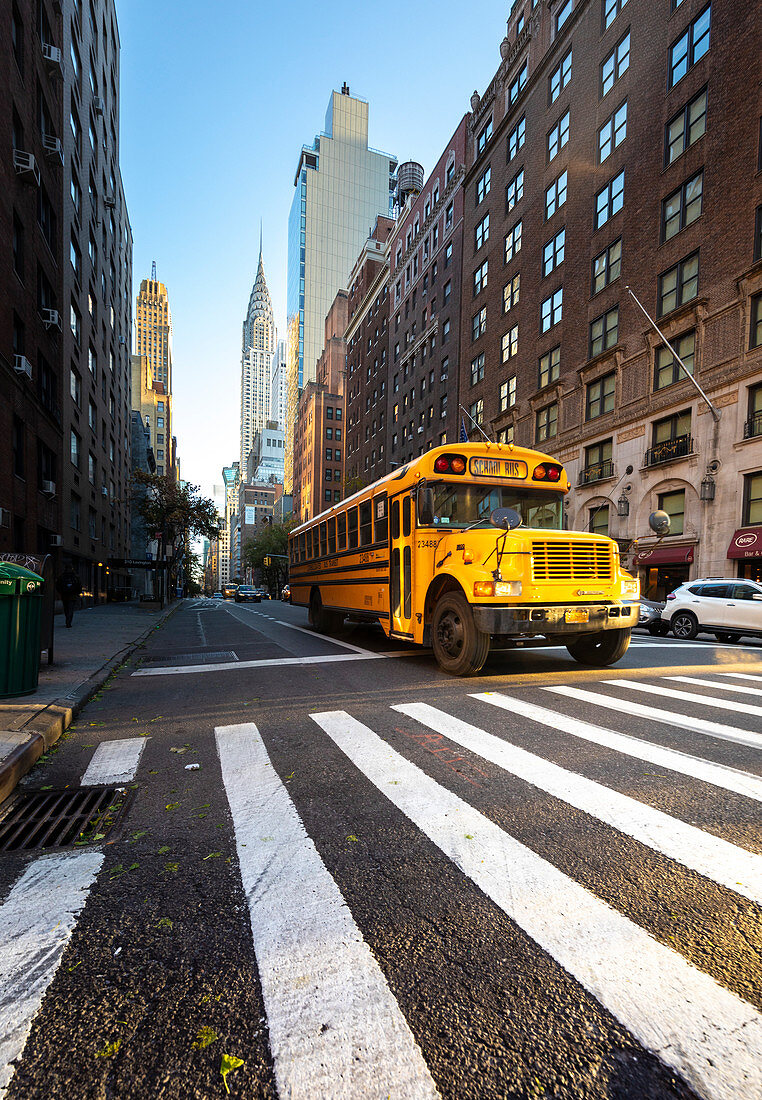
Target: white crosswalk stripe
(686, 696)
(712, 857)
(742, 676)
(716, 1045)
(738, 688)
(336, 1030)
(685, 721)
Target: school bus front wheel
(459, 646)
(602, 648)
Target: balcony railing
(753, 426)
(597, 472)
(667, 450)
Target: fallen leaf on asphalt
(109, 1050)
(76, 964)
(213, 855)
(178, 750)
(171, 805)
(206, 1036)
(163, 849)
(98, 836)
(164, 922)
(172, 867)
(353, 839)
(229, 1062)
(137, 836)
(96, 723)
(48, 788)
(158, 718)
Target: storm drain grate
(192, 658)
(61, 818)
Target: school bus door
(401, 566)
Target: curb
(45, 726)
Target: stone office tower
(153, 344)
(259, 343)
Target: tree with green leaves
(173, 512)
(271, 542)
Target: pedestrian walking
(69, 587)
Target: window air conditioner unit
(22, 365)
(51, 318)
(5, 517)
(26, 165)
(52, 54)
(52, 145)
(49, 488)
(98, 105)
(56, 540)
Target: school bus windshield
(463, 505)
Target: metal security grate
(191, 658)
(61, 818)
(571, 561)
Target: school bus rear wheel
(459, 646)
(322, 620)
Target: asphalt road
(364, 878)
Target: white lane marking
(738, 688)
(718, 775)
(201, 630)
(707, 1034)
(114, 762)
(36, 922)
(715, 859)
(314, 634)
(275, 662)
(693, 725)
(687, 696)
(335, 1028)
(742, 676)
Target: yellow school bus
(461, 549)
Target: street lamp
(708, 486)
(623, 506)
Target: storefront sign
(746, 543)
(664, 555)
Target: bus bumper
(558, 619)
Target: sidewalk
(85, 656)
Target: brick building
(318, 475)
(619, 144)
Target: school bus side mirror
(505, 518)
(425, 506)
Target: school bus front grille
(571, 561)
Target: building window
(674, 505)
(611, 9)
(479, 324)
(688, 125)
(612, 133)
(477, 369)
(553, 253)
(76, 448)
(598, 521)
(598, 462)
(563, 14)
(480, 278)
(679, 284)
(483, 138)
(616, 64)
(551, 310)
(607, 265)
(446, 291)
(609, 200)
(671, 438)
(558, 136)
(512, 242)
(516, 138)
(511, 292)
(546, 423)
(752, 499)
(560, 77)
(682, 207)
(476, 411)
(758, 234)
(508, 394)
(555, 195)
(604, 331)
(510, 343)
(549, 367)
(75, 386)
(483, 185)
(517, 85)
(514, 191)
(690, 47)
(481, 233)
(448, 255)
(755, 329)
(666, 368)
(599, 398)
(75, 322)
(449, 216)
(446, 329)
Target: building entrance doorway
(663, 579)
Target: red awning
(663, 555)
(746, 543)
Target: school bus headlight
(508, 588)
(630, 588)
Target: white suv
(727, 608)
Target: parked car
(650, 618)
(727, 608)
(218, 596)
(285, 594)
(247, 593)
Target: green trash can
(20, 610)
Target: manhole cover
(191, 658)
(61, 818)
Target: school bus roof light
(546, 472)
(452, 464)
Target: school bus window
(366, 523)
(323, 540)
(396, 519)
(332, 536)
(342, 530)
(352, 528)
(381, 518)
(314, 542)
(406, 528)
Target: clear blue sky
(216, 102)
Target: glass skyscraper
(341, 186)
